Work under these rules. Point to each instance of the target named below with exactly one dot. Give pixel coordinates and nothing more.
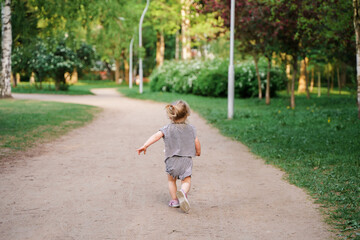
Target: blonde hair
(178, 110)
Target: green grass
(81, 88)
(26, 123)
(317, 144)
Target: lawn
(81, 88)
(317, 144)
(26, 123)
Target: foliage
(116, 25)
(86, 54)
(36, 122)
(19, 60)
(316, 144)
(164, 16)
(209, 78)
(24, 20)
(63, 60)
(41, 60)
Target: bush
(209, 78)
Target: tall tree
(356, 4)
(6, 45)
(116, 24)
(295, 36)
(185, 28)
(164, 16)
(255, 31)
(205, 26)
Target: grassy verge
(317, 144)
(25, 123)
(81, 88)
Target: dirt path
(90, 184)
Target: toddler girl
(181, 144)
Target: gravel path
(90, 184)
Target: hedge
(209, 78)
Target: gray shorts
(179, 167)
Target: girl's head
(178, 111)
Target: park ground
(90, 184)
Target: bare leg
(172, 187)
(186, 184)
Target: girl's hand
(151, 140)
(142, 149)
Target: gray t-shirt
(179, 140)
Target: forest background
(310, 42)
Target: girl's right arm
(154, 138)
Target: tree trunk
(343, 75)
(319, 84)
(32, 78)
(288, 74)
(40, 80)
(267, 93)
(356, 4)
(126, 67)
(57, 84)
(12, 80)
(6, 43)
(74, 76)
(117, 71)
(306, 78)
(185, 27)
(338, 78)
(312, 80)
(109, 71)
(258, 75)
(292, 99)
(302, 79)
(160, 48)
(332, 80)
(328, 85)
(177, 45)
(17, 79)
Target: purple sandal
(174, 203)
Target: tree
(295, 18)
(185, 26)
(205, 27)
(6, 45)
(86, 54)
(62, 60)
(356, 4)
(40, 62)
(116, 24)
(255, 31)
(164, 16)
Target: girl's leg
(172, 187)
(186, 184)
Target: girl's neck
(180, 121)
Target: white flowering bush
(40, 61)
(209, 78)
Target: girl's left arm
(154, 138)
(197, 147)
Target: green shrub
(209, 78)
